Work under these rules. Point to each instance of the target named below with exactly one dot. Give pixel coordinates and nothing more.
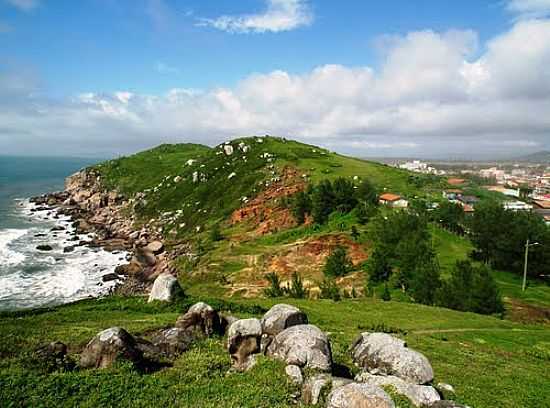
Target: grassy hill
(490, 362)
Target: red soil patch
(265, 210)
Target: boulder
(313, 387)
(281, 317)
(420, 395)
(44, 248)
(303, 345)
(53, 356)
(202, 319)
(243, 341)
(145, 257)
(165, 288)
(156, 247)
(173, 341)
(380, 353)
(447, 404)
(294, 373)
(109, 277)
(68, 249)
(109, 346)
(356, 395)
(132, 269)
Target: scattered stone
(356, 395)
(57, 228)
(243, 341)
(420, 395)
(131, 269)
(281, 317)
(295, 374)
(202, 319)
(68, 249)
(380, 353)
(228, 149)
(311, 391)
(165, 288)
(44, 248)
(109, 346)
(156, 247)
(303, 345)
(233, 174)
(173, 341)
(53, 356)
(445, 389)
(109, 277)
(447, 404)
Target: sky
(441, 79)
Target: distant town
(522, 186)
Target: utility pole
(527, 245)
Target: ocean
(32, 278)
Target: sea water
(33, 278)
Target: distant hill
(538, 157)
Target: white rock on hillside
(280, 317)
(228, 149)
(356, 395)
(165, 288)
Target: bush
(296, 289)
(215, 233)
(386, 295)
(470, 288)
(329, 290)
(274, 290)
(338, 263)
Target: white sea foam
(34, 278)
(8, 256)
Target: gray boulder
(156, 247)
(173, 341)
(165, 288)
(281, 317)
(201, 319)
(380, 353)
(243, 341)
(356, 395)
(315, 385)
(303, 345)
(447, 404)
(109, 346)
(294, 373)
(420, 395)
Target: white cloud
(528, 9)
(24, 5)
(163, 68)
(432, 94)
(280, 15)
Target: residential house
(393, 200)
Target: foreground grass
(490, 362)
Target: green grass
(490, 362)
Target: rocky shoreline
(107, 215)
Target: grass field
(490, 362)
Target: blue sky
(102, 45)
(340, 74)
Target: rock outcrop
(201, 319)
(243, 342)
(109, 346)
(303, 345)
(173, 341)
(380, 353)
(281, 317)
(356, 395)
(165, 288)
(420, 395)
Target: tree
(322, 202)
(366, 193)
(215, 233)
(425, 282)
(451, 216)
(301, 206)
(355, 234)
(338, 263)
(296, 289)
(378, 268)
(470, 288)
(274, 289)
(329, 290)
(386, 295)
(344, 195)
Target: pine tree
(274, 289)
(215, 233)
(301, 206)
(366, 193)
(344, 195)
(297, 289)
(355, 234)
(425, 282)
(322, 202)
(329, 290)
(337, 263)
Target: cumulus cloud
(280, 15)
(24, 5)
(433, 94)
(529, 9)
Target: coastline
(104, 217)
